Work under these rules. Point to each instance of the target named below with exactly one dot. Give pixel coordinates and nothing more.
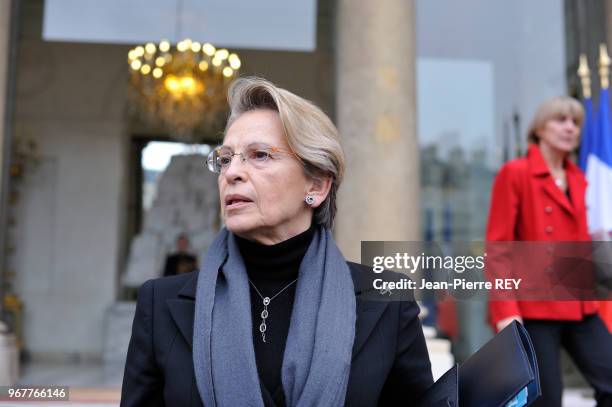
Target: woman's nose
(236, 170)
(570, 124)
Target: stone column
(376, 117)
(9, 361)
(5, 35)
(5, 61)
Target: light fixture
(182, 88)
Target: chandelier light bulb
(196, 47)
(172, 84)
(164, 46)
(157, 73)
(145, 69)
(188, 85)
(187, 82)
(234, 61)
(160, 61)
(228, 72)
(208, 49)
(150, 48)
(222, 54)
(136, 64)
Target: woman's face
(263, 200)
(561, 133)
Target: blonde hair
(551, 109)
(311, 135)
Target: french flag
(596, 162)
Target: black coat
(390, 364)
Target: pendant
(264, 315)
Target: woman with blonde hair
(276, 316)
(541, 197)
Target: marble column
(376, 117)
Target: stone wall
(70, 100)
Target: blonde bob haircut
(552, 109)
(311, 135)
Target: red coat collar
(538, 165)
(575, 180)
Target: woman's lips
(236, 201)
(237, 205)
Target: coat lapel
(577, 186)
(540, 170)
(368, 313)
(557, 195)
(182, 309)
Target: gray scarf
(317, 358)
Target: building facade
(430, 97)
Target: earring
(309, 199)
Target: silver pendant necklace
(266, 302)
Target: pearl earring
(309, 199)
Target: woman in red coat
(541, 197)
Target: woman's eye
(260, 155)
(224, 160)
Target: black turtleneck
(270, 269)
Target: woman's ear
(319, 189)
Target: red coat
(527, 205)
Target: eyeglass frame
(243, 158)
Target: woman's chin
(566, 147)
(238, 224)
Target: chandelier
(181, 89)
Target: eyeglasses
(257, 155)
